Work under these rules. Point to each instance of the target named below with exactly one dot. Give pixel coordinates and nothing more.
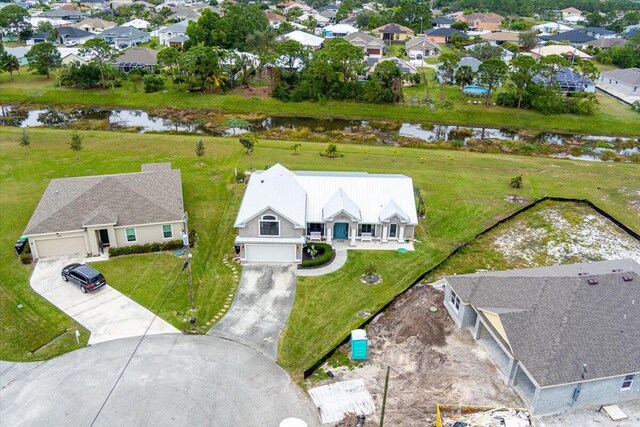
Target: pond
(143, 121)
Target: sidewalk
(338, 261)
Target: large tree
(523, 69)
(44, 57)
(101, 53)
(199, 68)
(414, 14)
(528, 39)
(9, 63)
(485, 50)
(13, 20)
(385, 84)
(491, 73)
(446, 70)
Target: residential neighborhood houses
(303, 213)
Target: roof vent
(592, 281)
(583, 274)
(627, 278)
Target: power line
(155, 315)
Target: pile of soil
(371, 279)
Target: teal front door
(341, 231)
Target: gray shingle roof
(556, 321)
(138, 55)
(150, 196)
(630, 76)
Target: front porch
(375, 245)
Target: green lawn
(614, 118)
(464, 194)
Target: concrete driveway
(260, 308)
(107, 313)
(173, 380)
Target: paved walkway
(338, 261)
(260, 308)
(107, 313)
(173, 380)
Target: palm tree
(464, 76)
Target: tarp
(338, 399)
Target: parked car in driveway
(87, 278)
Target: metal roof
(303, 38)
(310, 196)
(556, 320)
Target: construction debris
(337, 400)
(474, 416)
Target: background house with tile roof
(81, 215)
(564, 336)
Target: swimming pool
(475, 90)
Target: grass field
(464, 194)
(614, 118)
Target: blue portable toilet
(359, 344)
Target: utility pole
(384, 396)
(187, 249)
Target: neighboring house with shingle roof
(564, 336)
(372, 47)
(82, 215)
(624, 81)
(421, 47)
(124, 36)
(94, 25)
(137, 57)
(394, 33)
(482, 21)
(171, 31)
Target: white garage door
(270, 253)
(61, 246)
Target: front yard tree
(490, 73)
(523, 69)
(44, 57)
(76, 143)
(25, 139)
(248, 141)
(9, 63)
(528, 39)
(446, 69)
(14, 20)
(101, 53)
(200, 148)
(168, 58)
(588, 71)
(385, 84)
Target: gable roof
(422, 42)
(304, 38)
(145, 197)
(392, 209)
(393, 29)
(556, 321)
(441, 20)
(558, 49)
(573, 36)
(178, 27)
(276, 189)
(630, 76)
(483, 17)
(501, 36)
(95, 23)
(445, 32)
(341, 28)
(123, 32)
(73, 33)
(363, 39)
(340, 202)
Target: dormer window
(269, 226)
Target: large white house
(282, 209)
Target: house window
(131, 234)
(315, 227)
(167, 231)
(628, 382)
(367, 228)
(454, 300)
(393, 230)
(269, 226)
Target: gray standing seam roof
(556, 321)
(146, 197)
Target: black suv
(89, 279)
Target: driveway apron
(260, 308)
(107, 313)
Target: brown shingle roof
(145, 197)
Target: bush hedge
(146, 248)
(325, 255)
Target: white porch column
(401, 234)
(385, 231)
(354, 232)
(329, 235)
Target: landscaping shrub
(325, 254)
(25, 257)
(146, 248)
(153, 83)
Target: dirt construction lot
(431, 362)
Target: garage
(61, 246)
(270, 253)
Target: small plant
(295, 148)
(370, 269)
(76, 143)
(331, 152)
(248, 142)
(200, 148)
(636, 106)
(153, 83)
(516, 182)
(25, 140)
